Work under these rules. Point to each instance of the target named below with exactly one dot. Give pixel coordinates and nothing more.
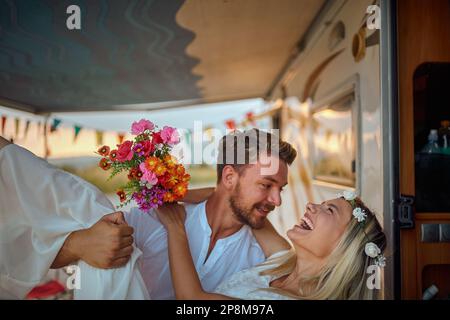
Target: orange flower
(151, 163)
(122, 195)
(104, 164)
(170, 161)
(179, 170)
(160, 170)
(168, 197)
(103, 151)
(180, 190)
(186, 177)
(169, 180)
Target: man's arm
(270, 240)
(107, 244)
(197, 195)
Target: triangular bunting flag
(99, 136)
(27, 126)
(3, 124)
(47, 152)
(17, 126)
(231, 124)
(55, 125)
(208, 132)
(250, 117)
(120, 137)
(77, 132)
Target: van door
(424, 105)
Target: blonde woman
(333, 246)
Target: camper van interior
(366, 105)
(423, 75)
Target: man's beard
(244, 214)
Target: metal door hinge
(406, 211)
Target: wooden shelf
(433, 216)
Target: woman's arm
(198, 195)
(270, 240)
(185, 279)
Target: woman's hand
(198, 195)
(185, 279)
(172, 216)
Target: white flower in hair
(372, 250)
(349, 195)
(359, 214)
(381, 261)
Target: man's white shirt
(237, 252)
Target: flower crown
(371, 249)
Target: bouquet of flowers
(154, 175)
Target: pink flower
(140, 126)
(143, 168)
(149, 177)
(170, 135)
(124, 152)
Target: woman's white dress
(247, 284)
(40, 206)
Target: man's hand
(107, 244)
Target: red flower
(148, 147)
(124, 152)
(157, 138)
(103, 151)
(135, 173)
(104, 164)
(122, 195)
(113, 155)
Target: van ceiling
(144, 54)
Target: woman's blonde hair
(344, 274)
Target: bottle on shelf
(444, 135)
(432, 145)
(430, 292)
